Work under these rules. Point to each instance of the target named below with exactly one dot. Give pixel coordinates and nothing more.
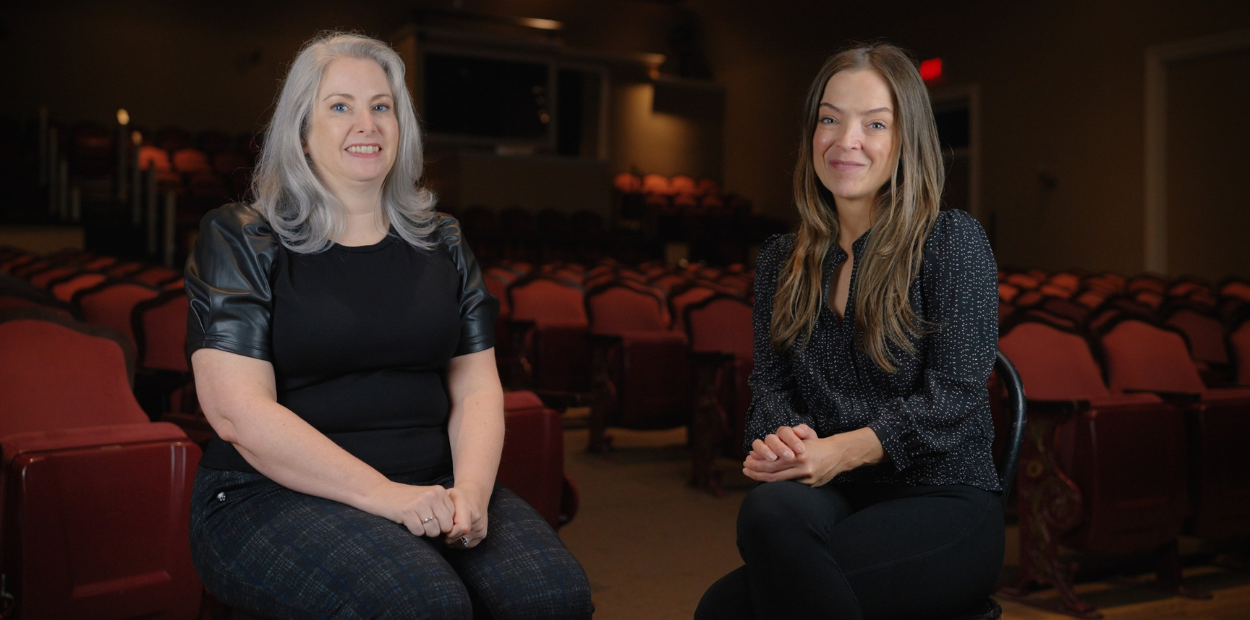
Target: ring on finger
(427, 520)
(464, 542)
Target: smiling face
(353, 133)
(853, 145)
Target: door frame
(972, 94)
(1158, 58)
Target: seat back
(66, 289)
(111, 304)
(160, 328)
(625, 306)
(43, 278)
(57, 373)
(1056, 364)
(1141, 356)
(546, 300)
(1239, 345)
(1204, 332)
(1236, 288)
(155, 276)
(94, 517)
(721, 323)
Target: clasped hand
(436, 511)
(796, 453)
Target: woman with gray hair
(342, 341)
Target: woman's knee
(450, 600)
(775, 507)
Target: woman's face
(354, 131)
(853, 147)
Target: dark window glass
(485, 97)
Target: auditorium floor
(651, 545)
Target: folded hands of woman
(456, 513)
(797, 453)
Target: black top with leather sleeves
(360, 337)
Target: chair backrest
(1055, 363)
(1236, 288)
(1147, 282)
(497, 282)
(546, 300)
(1141, 356)
(190, 160)
(721, 323)
(66, 289)
(160, 328)
(155, 275)
(111, 303)
(1239, 345)
(57, 373)
(1016, 421)
(627, 183)
(692, 295)
(669, 282)
(43, 278)
(656, 184)
(1065, 280)
(626, 306)
(1205, 333)
(1022, 280)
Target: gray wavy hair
(288, 192)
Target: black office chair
(1008, 462)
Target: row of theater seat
(1127, 449)
(646, 346)
(94, 522)
(1128, 446)
(1211, 318)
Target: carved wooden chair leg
(1050, 505)
(604, 399)
(709, 427)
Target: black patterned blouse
(932, 415)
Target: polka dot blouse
(933, 414)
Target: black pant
(270, 551)
(861, 551)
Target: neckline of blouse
(390, 237)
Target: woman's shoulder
(235, 219)
(448, 227)
(955, 230)
(775, 249)
(956, 223)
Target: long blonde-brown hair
(902, 218)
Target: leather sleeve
(228, 283)
(478, 308)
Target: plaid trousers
(273, 552)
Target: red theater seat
(111, 303)
(551, 355)
(532, 465)
(96, 498)
(640, 375)
(1141, 357)
(722, 356)
(1101, 472)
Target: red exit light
(931, 70)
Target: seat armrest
(1056, 406)
(87, 437)
(1171, 398)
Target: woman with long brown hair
(875, 333)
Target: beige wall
(1061, 86)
